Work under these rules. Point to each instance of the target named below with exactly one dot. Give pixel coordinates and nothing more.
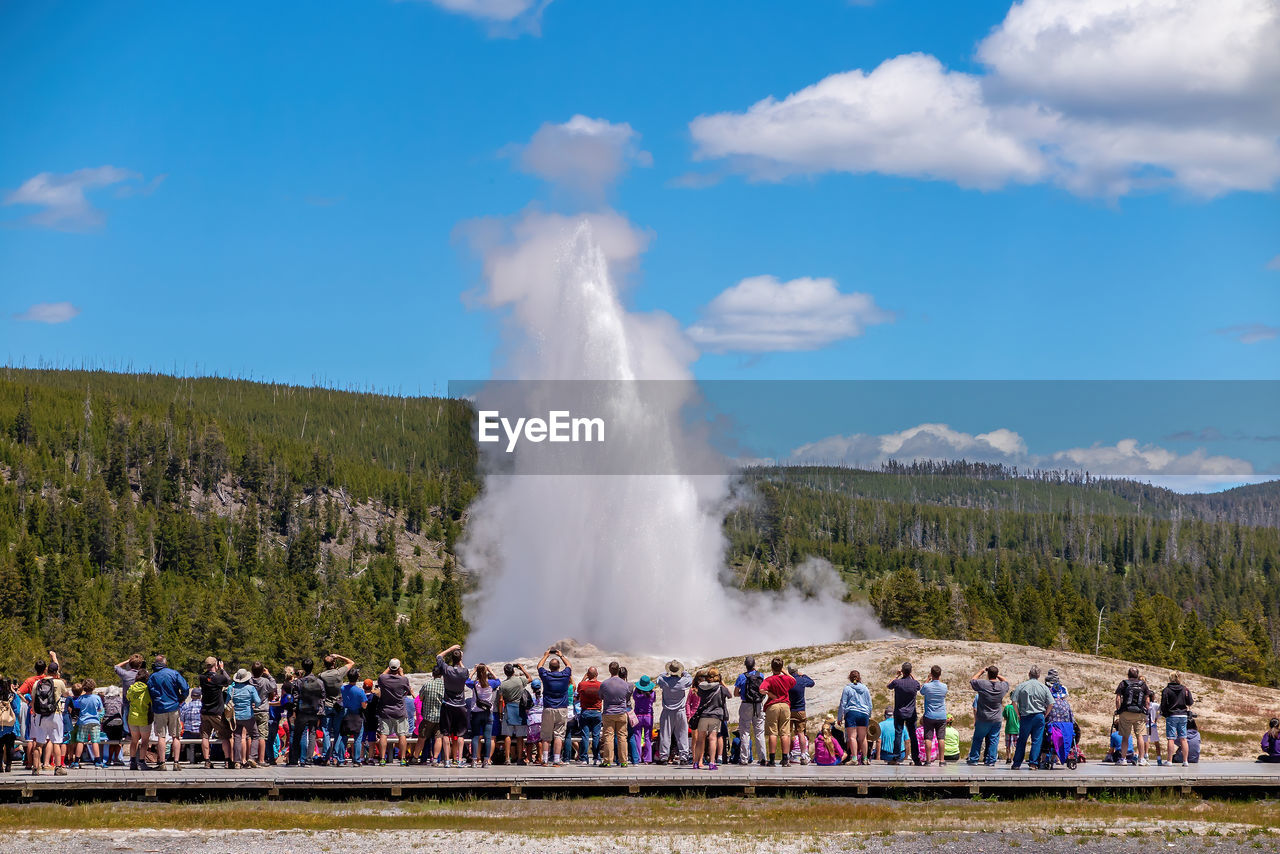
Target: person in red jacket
(777, 712)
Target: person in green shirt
(950, 741)
(1010, 730)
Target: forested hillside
(257, 520)
(147, 512)
(958, 552)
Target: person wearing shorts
(1175, 705)
(398, 727)
(430, 698)
(214, 682)
(215, 726)
(267, 688)
(453, 705)
(855, 712)
(45, 733)
(515, 726)
(777, 712)
(167, 725)
(244, 699)
(555, 725)
(556, 678)
(713, 712)
(1132, 699)
(393, 719)
(168, 689)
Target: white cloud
(48, 312)
(62, 199)
(939, 442)
(762, 314)
(1166, 59)
(1102, 97)
(909, 116)
(506, 17)
(1251, 333)
(1129, 457)
(585, 155)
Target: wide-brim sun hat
(674, 666)
(644, 684)
(241, 676)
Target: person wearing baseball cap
(393, 686)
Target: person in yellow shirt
(950, 741)
(139, 699)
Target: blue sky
(289, 179)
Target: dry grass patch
(657, 816)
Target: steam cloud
(630, 563)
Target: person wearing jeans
(750, 712)
(590, 716)
(1032, 700)
(643, 703)
(905, 688)
(985, 734)
(591, 723)
(988, 714)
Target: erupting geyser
(629, 562)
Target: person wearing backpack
(44, 739)
(10, 712)
(750, 711)
(309, 693)
(1132, 699)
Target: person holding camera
(213, 682)
(453, 706)
(556, 675)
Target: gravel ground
(255, 842)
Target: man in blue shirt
(353, 703)
(168, 690)
(556, 678)
(934, 692)
(795, 698)
(750, 711)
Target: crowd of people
(475, 716)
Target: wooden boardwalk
(1237, 778)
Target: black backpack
(751, 692)
(310, 694)
(1135, 695)
(44, 698)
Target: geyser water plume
(628, 562)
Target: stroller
(1052, 749)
